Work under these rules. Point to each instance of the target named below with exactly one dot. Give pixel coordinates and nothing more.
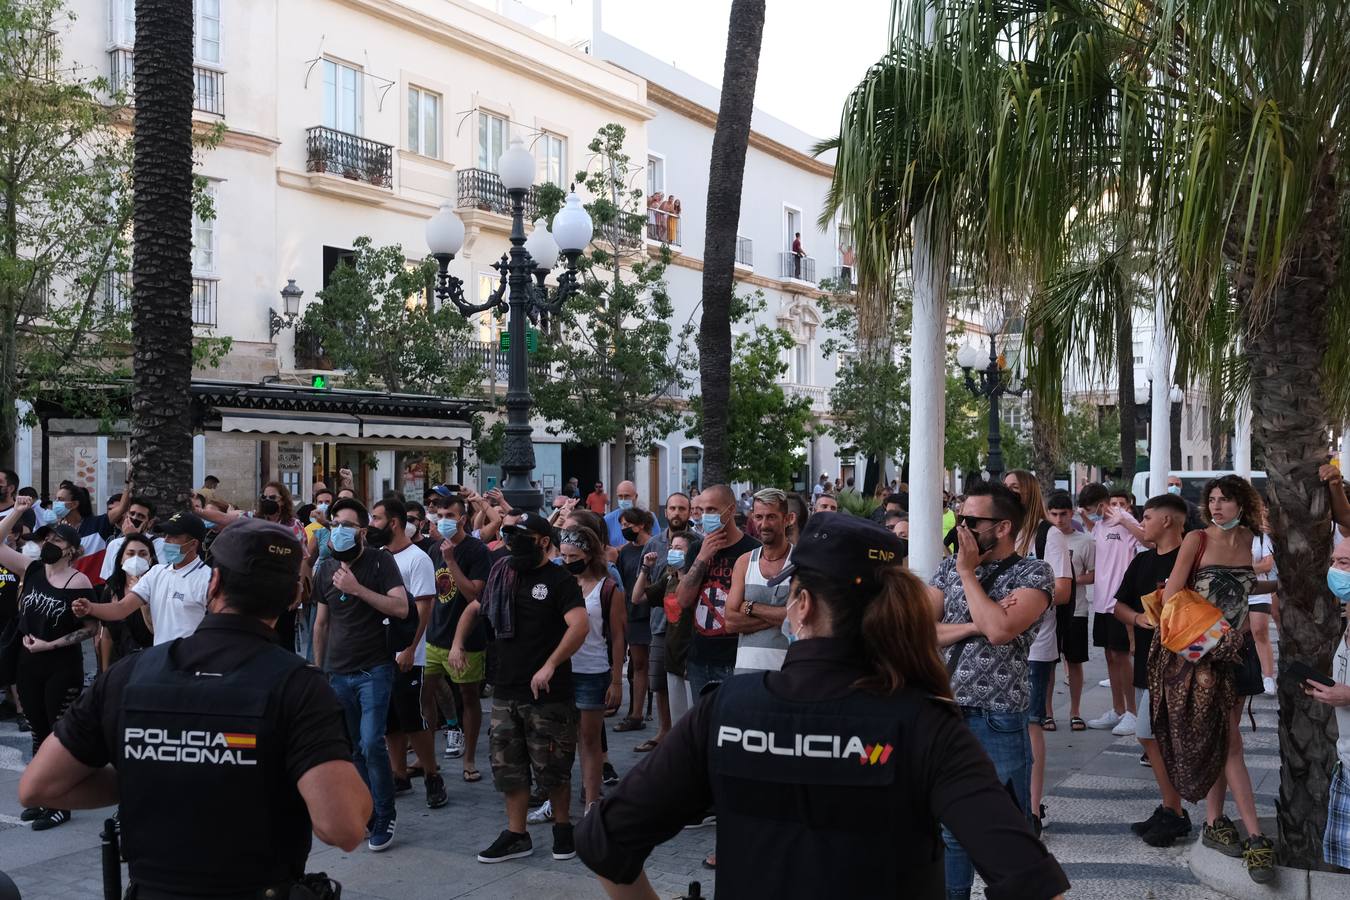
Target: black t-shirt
(1146, 573)
(9, 594)
(474, 560)
(44, 609)
(355, 628)
(712, 645)
(542, 597)
(629, 565)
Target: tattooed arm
(37, 645)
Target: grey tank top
(764, 650)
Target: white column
(1242, 438)
(927, 385)
(199, 459)
(307, 469)
(101, 472)
(23, 444)
(1160, 427)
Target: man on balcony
(798, 253)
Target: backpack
(398, 633)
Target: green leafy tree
(613, 351)
(1091, 436)
(964, 436)
(380, 325)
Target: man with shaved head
(627, 498)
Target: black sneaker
(702, 819)
(508, 845)
(31, 813)
(1143, 761)
(402, 786)
(611, 775)
(1258, 855)
(1143, 828)
(50, 818)
(538, 796)
(1168, 828)
(436, 796)
(563, 847)
(1222, 836)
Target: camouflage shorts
(532, 736)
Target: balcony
(352, 157)
(208, 94)
(745, 252)
(663, 227)
(797, 268)
(117, 297)
(624, 233)
(845, 278)
(489, 357)
(818, 395)
(483, 189)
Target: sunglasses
(973, 522)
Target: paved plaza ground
(1096, 787)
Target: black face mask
(524, 551)
(268, 507)
(577, 566)
(51, 554)
(629, 534)
(379, 537)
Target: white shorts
(1143, 724)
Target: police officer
(831, 776)
(223, 749)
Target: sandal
(630, 724)
(1077, 724)
(472, 775)
(710, 861)
(1048, 724)
(647, 746)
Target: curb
(1229, 877)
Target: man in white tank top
(754, 610)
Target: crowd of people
(418, 611)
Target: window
(792, 224)
(122, 22)
(341, 97)
(656, 175)
(691, 468)
(1138, 353)
(492, 134)
(488, 325)
(424, 122)
(204, 240)
(553, 160)
(207, 31)
(801, 364)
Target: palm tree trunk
(726, 171)
(1125, 383)
(161, 274)
(1291, 422)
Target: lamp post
(290, 304)
(532, 257)
(994, 383)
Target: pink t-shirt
(1116, 546)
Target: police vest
(814, 798)
(207, 802)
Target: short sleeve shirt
(1045, 648)
(474, 560)
(991, 677)
(176, 597)
(543, 596)
(1148, 571)
(712, 644)
(355, 628)
(1116, 546)
(1083, 556)
(419, 580)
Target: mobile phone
(1299, 672)
(456, 488)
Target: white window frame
(801, 363)
(652, 170)
(207, 226)
(549, 141)
(788, 230)
(122, 23)
(487, 326)
(484, 156)
(336, 67)
(198, 32)
(417, 124)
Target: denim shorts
(1039, 675)
(589, 690)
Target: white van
(1193, 483)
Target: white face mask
(410, 530)
(135, 566)
(32, 550)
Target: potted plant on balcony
(319, 156)
(378, 171)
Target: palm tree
(161, 272)
(1220, 128)
(726, 170)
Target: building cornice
(739, 273)
(699, 113)
(355, 191)
(501, 57)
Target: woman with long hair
(848, 757)
(135, 557)
(1033, 529)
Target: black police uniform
(823, 789)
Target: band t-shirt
(542, 597)
(45, 609)
(474, 560)
(712, 645)
(1116, 547)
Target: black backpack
(399, 633)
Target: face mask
(322, 509)
(51, 554)
(448, 528)
(268, 507)
(1095, 517)
(208, 524)
(1229, 525)
(379, 537)
(32, 550)
(711, 522)
(675, 558)
(576, 566)
(629, 534)
(788, 631)
(625, 504)
(410, 530)
(985, 543)
(342, 540)
(524, 551)
(60, 509)
(136, 566)
(1174, 489)
(1339, 582)
(173, 554)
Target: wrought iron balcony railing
(117, 296)
(745, 251)
(663, 227)
(349, 155)
(482, 189)
(208, 94)
(798, 268)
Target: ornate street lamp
(994, 383)
(532, 257)
(290, 303)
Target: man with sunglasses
(992, 601)
(139, 519)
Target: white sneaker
(542, 814)
(1125, 726)
(1108, 719)
(1105, 682)
(1268, 684)
(454, 743)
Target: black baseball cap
(253, 546)
(64, 532)
(843, 547)
(529, 523)
(184, 523)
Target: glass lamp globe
(968, 356)
(445, 232)
(516, 167)
(1142, 393)
(572, 226)
(541, 246)
(1177, 395)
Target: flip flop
(710, 862)
(647, 746)
(472, 775)
(1077, 724)
(630, 724)
(1048, 724)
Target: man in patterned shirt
(991, 602)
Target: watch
(749, 608)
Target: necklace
(766, 558)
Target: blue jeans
(365, 701)
(701, 674)
(304, 631)
(1004, 737)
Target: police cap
(251, 546)
(844, 548)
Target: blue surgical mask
(1095, 517)
(1339, 582)
(343, 537)
(60, 509)
(208, 524)
(1174, 489)
(1229, 525)
(322, 508)
(675, 558)
(711, 522)
(448, 528)
(625, 504)
(173, 553)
